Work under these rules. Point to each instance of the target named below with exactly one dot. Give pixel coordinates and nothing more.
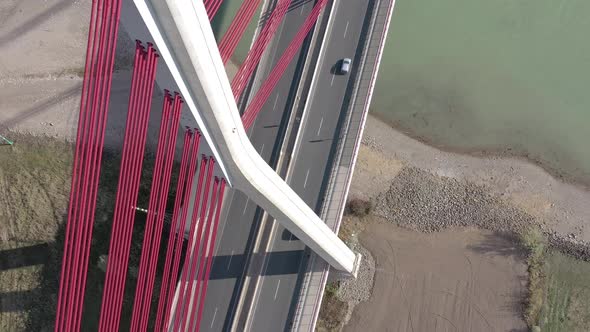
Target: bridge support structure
(182, 33)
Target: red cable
(145, 104)
(211, 249)
(122, 209)
(199, 236)
(206, 238)
(215, 9)
(80, 148)
(187, 260)
(103, 112)
(163, 197)
(164, 125)
(131, 208)
(145, 67)
(234, 33)
(130, 215)
(253, 58)
(262, 95)
(275, 76)
(123, 240)
(180, 192)
(77, 289)
(180, 234)
(122, 193)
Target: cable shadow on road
(231, 266)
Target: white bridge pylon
(183, 36)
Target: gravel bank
(355, 291)
(428, 203)
(425, 202)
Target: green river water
(502, 76)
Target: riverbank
(558, 207)
(447, 205)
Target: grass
(332, 311)
(35, 175)
(535, 243)
(567, 301)
(558, 288)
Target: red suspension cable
(210, 253)
(205, 237)
(180, 233)
(236, 29)
(196, 249)
(90, 140)
(245, 71)
(214, 9)
(265, 90)
(190, 141)
(131, 163)
(155, 247)
(156, 180)
(187, 259)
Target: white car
(345, 67)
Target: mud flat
(456, 280)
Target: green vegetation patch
(567, 301)
(558, 288)
(332, 311)
(35, 177)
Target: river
(499, 76)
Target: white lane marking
(277, 290)
(246, 206)
(332, 82)
(306, 176)
(214, 315)
(262, 149)
(275, 105)
(301, 12)
(346, 29)
(320, 128)
(230, 258)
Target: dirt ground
(461, 280)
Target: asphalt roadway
(272, 309)
(236, 224)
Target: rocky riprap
(355, 291)
(422, 201)
(425, 202)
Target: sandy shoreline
(559, 206)
(574, 179)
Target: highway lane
(271, 310)
(236, 228)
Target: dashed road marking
(277, 290)
(346, 29)
(275, 104)
(246, 206)
(214, 315)
(230, 258)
